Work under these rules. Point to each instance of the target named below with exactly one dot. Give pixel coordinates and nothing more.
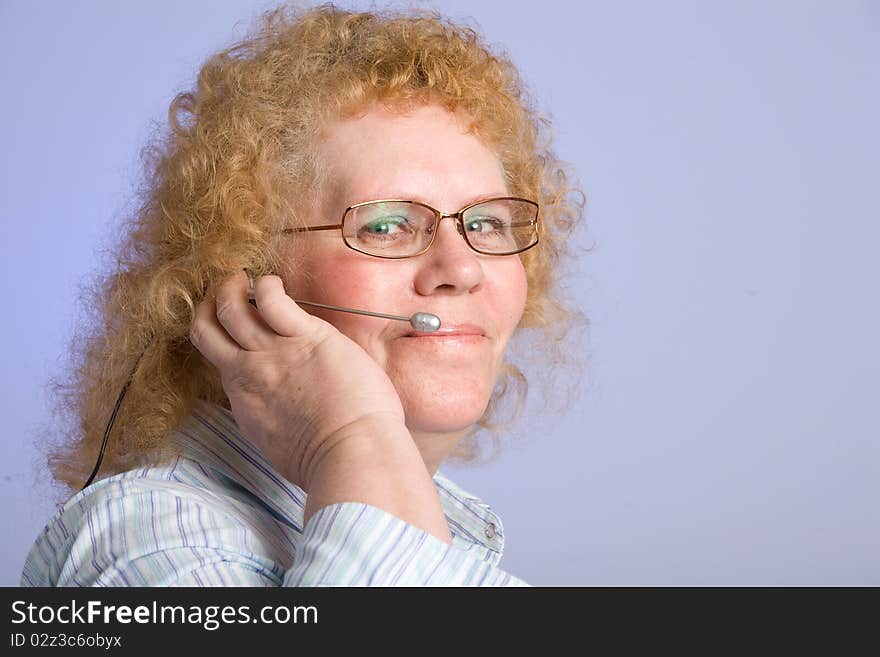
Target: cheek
(511, 291)
(344, 279)
(329, 275)
(366, 287)
(362, 286)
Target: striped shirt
(220, 515)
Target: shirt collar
(211, 437)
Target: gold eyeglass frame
(438, 217)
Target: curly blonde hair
(238, 164)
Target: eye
(485, 224)
(385, 226)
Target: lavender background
(727, 431)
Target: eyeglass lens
(401, 228)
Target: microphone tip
(425, 322)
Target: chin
(439, 427)
(445, 420)
(448, 405)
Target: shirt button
(490, 530)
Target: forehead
(425, 155)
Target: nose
(449, 263)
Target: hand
(296, 385)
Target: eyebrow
(421, 199)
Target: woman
(369, 161)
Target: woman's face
(444, 383)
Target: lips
(449, 330)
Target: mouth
(450, 331)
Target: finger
(209, 337)
(280, 312)
(241, 320)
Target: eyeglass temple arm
(310, 228)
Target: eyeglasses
(396, 228)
